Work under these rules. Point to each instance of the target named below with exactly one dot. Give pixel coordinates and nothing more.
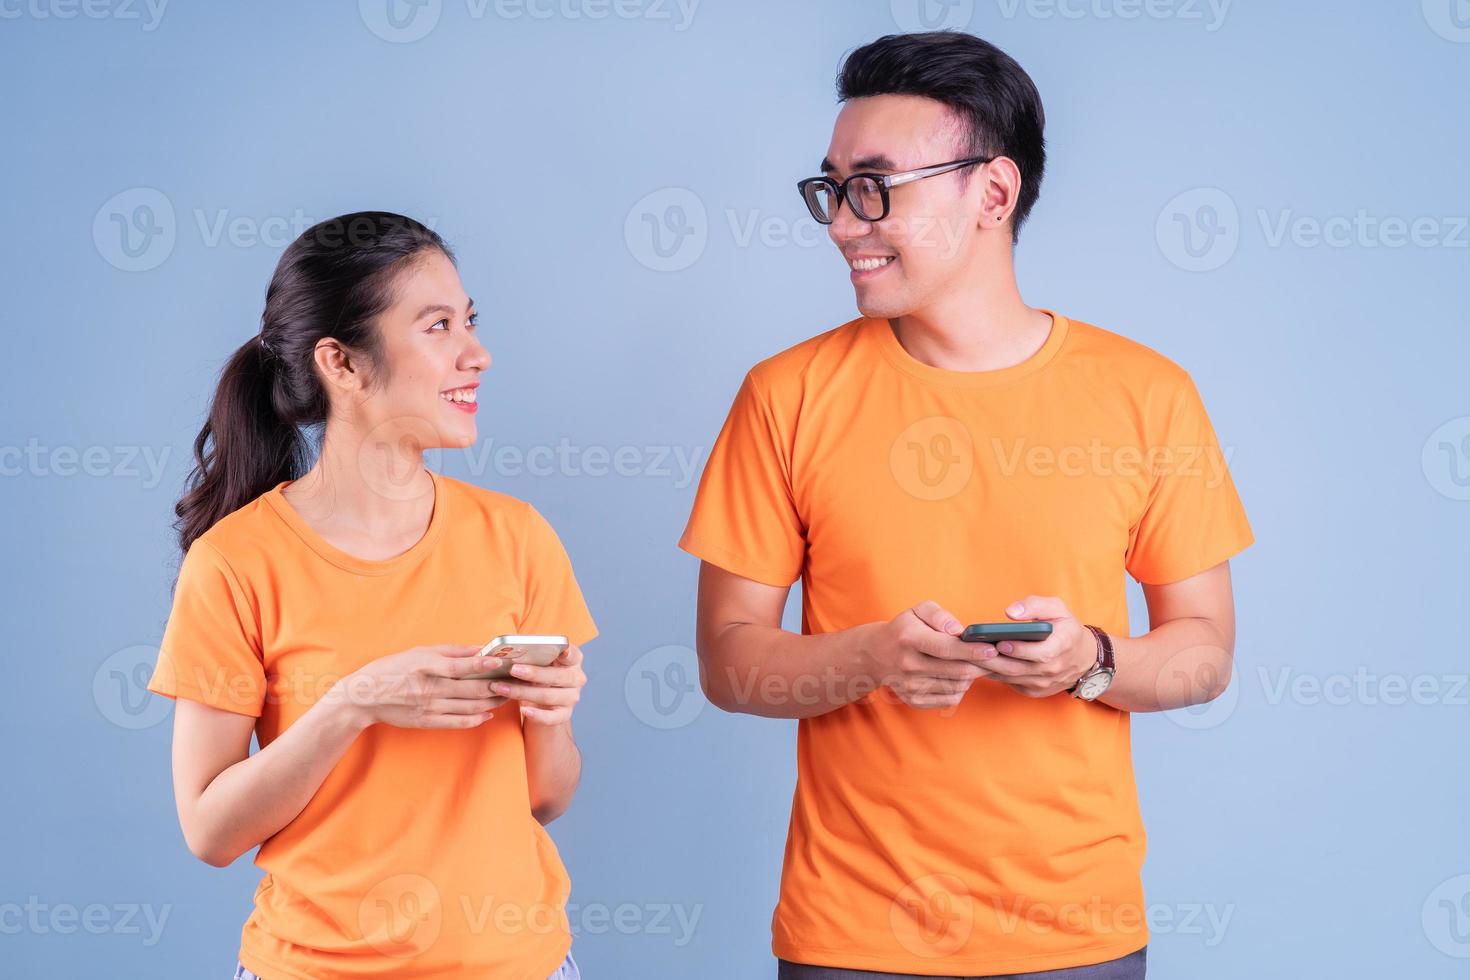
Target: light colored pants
(567, 971)
(1130, 967)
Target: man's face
(926, 241)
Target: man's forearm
(1183, 662)
(771, 672)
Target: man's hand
(1045, 667)
(919, 656)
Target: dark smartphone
(995, 632)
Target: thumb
(1038, 607)
(936, 617)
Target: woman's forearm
(257, 796)
(553, 768)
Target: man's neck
(973, 331)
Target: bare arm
(1187, 655)
(749, 664)
(547, 697)
(229, 800)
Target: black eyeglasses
(867, 194)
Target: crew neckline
(887, 340)
(352, 563)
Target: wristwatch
(1091, 685)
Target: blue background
(1326, 830)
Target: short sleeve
(744, 517)
(211, 649)
(1193, 518)
(553, 602)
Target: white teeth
(459, 395)
(865, 265)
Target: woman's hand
(547, 694)
(422, 687)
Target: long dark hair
(331, 282)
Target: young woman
(336, 612)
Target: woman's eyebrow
(441, 308)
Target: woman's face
(433, 362)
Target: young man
(954, 456)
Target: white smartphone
(538, 651)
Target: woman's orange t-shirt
(391, 870)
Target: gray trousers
(1130, 967)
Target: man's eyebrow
(440, 308)
(875, 161)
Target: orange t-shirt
(1002, 836)
(418, 856)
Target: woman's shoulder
(472, 501)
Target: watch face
(1093, 685)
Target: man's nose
(846, 226)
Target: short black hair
(994, 98)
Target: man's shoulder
(818, 356)
(1123, 358)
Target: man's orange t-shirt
(418, 856)
(1002, 836)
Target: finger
(1036, 651)
(924, 686)
(1009, 667)
(467, 666)
(980, 650)
(955, 670)
(459, 687)
(937, 618)
(463, 706)
(537, 693)
(552, 676)
(949, 647)
(1047, 607)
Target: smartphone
(995, 632)
(539, 651)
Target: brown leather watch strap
(1104, 654)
